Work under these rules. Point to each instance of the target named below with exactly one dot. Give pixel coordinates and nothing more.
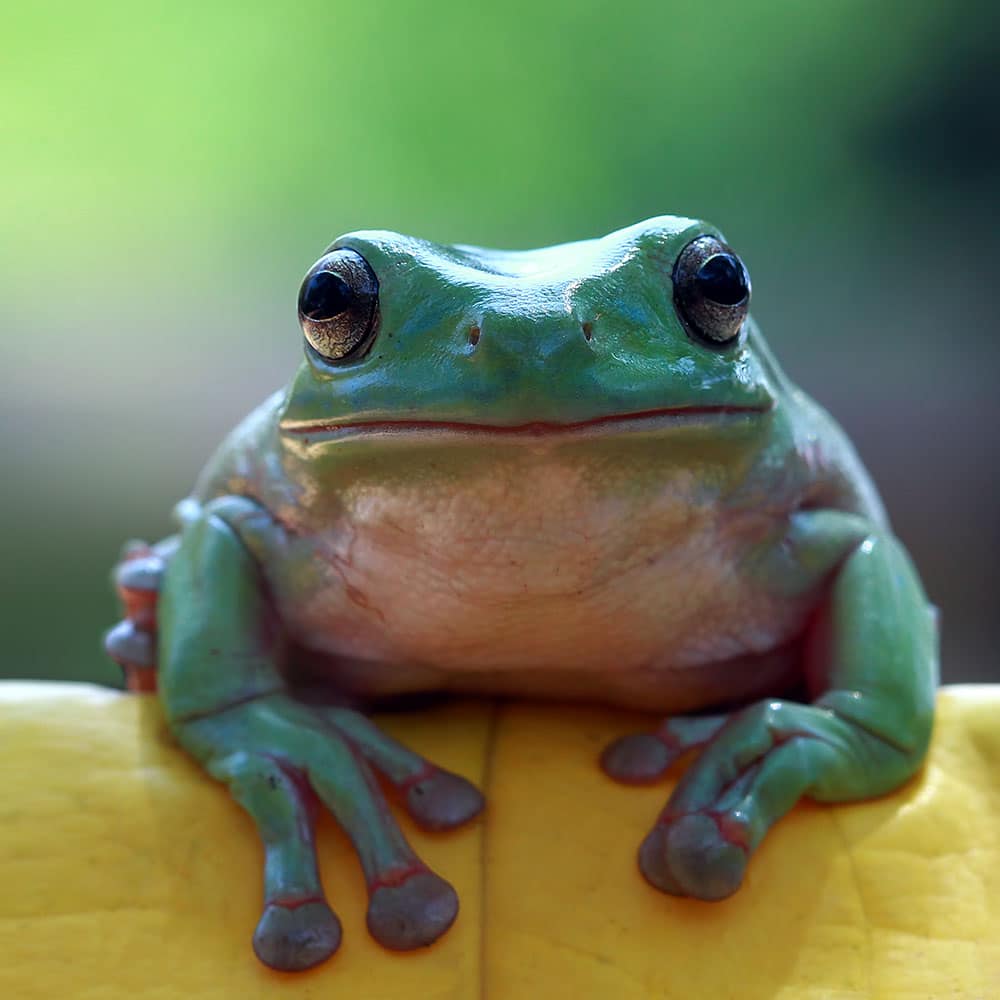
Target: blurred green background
(169, 170)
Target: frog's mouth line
(330, 430)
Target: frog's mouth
(332, 430)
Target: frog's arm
(220, 655)
(871, 666)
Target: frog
(574, 474)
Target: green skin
(535, 482)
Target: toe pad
(443, 800)
(688, 856)
(292, 939)
(412, 914)
(636, 759)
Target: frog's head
(647, 327)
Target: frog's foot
(755, 765)
(132, 642)
(277, 755)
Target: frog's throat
(677, 416)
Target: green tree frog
(567, 473)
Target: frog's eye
(711, 291)
(338, 305)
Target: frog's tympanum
(569, 473)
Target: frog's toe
(294, 938)
(142, 572)
(690, 856)
(435, 798)
(408, 906)
(654, 863)
(640, 758)
(412, 914)
(126, 643)
(133, 648)
(132, 642)
(441, 800)
(637, 758)
(137, 581)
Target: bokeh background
(169, 170)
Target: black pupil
(325, 295)
(721, 279)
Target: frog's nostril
(588, 331)
(474, 333)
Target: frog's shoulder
(839, 479)
(825, 466)
(246, 463)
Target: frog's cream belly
(547, 584)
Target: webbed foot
(753, 766)
(869, 656)
(277, 755)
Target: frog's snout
(549, 343)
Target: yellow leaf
(126, 872)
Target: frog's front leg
(871, 655)
(220, 655)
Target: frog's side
(568, 473)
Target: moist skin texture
(532, 537)
(615, 563)
(549, 474)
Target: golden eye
(338, 305)
(711, 291)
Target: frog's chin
(316, 431)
